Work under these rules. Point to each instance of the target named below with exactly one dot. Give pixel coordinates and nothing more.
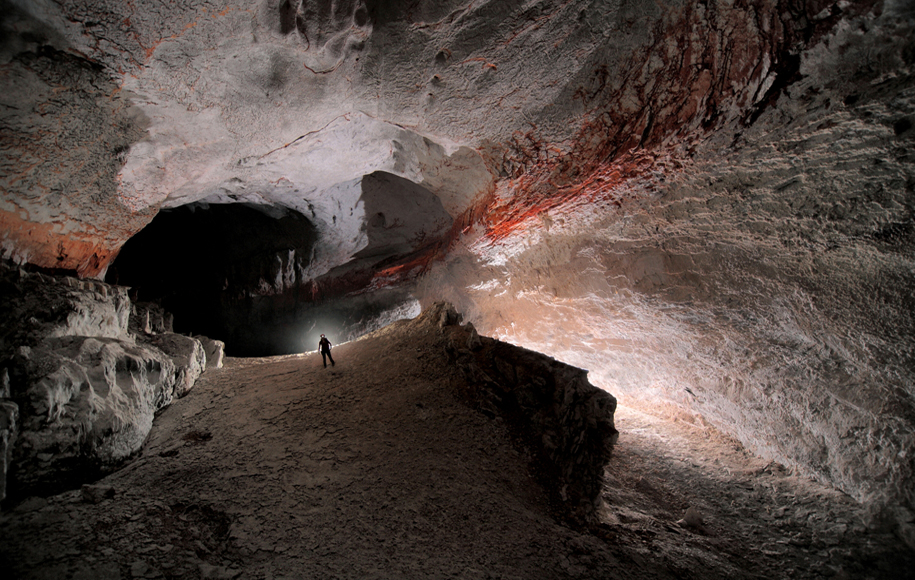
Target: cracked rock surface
(79, 390)
(377, 468)
(707, 205)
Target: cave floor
(279, 468)
(757, 520)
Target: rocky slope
(404, 461)
(80, 390)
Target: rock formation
(9, 427)
(214, 351)
(400, 461)
(551, 405)
(707, 205)
(79, 391)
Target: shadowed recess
(203, 263)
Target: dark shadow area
(401, 216)
(202, 263)
(240, 273)
(403, 224)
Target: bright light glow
(339, 332)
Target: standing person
(324, 347)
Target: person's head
(322, 336)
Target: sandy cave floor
(279, 468)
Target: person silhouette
(324, 346)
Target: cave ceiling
(708, 205)
(140, 108)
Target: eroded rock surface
(214, 350)
(383, 467)
(38, 306)
(553, 407)
(762, 281)
(708, 205)
(9, 427)
(187, 353)
(87, 404)
(80, 391)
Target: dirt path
(279, 468)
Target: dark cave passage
(707, 208)
(267, 280)
(203, 263)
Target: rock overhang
(252, 97)
(650, 180)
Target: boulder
(87, 404)
(445, 314)
(35, 306)
(186, 353)
(78, 391)
(215, 351)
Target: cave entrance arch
(199, 261)
(268, 280)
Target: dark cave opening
(204, 263)
(244, 274)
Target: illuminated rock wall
(763, 281)
(78, 388)
(708, 205)
(283, 102)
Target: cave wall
(263, 279)
(237, 101)
(200, 262)
(67, 128)
(81, 379)
(707, 205)
(763, 282)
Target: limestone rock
(566, 421)
(150, 318)
(78, 393)
(187, 354)
(9, 426)
(444, 314)
(764, 285)
(473, 340)
(36, 306)
(707, 205)
(86, 403)
(215, 351)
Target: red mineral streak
(149, 45)
(530, 199)
(88, 256)
(706, 68)
(405, 270)
(534, 24)
(389, 273)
